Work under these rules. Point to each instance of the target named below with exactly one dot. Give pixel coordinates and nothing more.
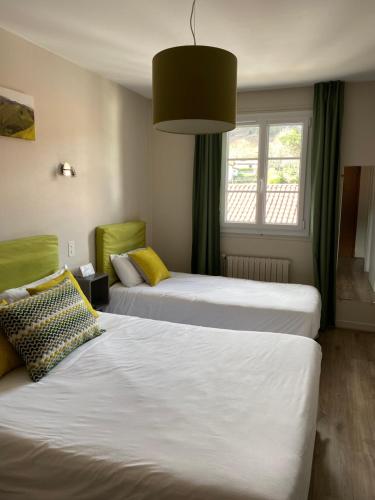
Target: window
(264, 171)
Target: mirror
(356, 255)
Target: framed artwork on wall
(16, 115)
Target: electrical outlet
(71, 248)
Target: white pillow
(14, 294)
(127, 273)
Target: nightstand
(96, 289)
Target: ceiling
(278, 43)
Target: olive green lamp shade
(194, 90)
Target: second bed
(212, 301)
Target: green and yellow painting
(16, 115)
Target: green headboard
(116, 239)
(27, 259)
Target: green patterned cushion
(46, 327)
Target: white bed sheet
(227, 303)
(154, 410)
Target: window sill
(269, 235)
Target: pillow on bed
(46, 327)
(9, 359)
(56, 281)
(150, 265)
(13, 294)
(125, 270)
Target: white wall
(358, 132)
(101, 128)
(172, 194)
(363, 211)
(370, 250)
(357, 149)
(172, 184)
(370, 224)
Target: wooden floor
(344, 457)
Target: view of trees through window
(243, 154)
(279, 170)
(283, 173)
(284, 152)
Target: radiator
(256, 268)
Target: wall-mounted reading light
(66, 169)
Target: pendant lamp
(194, 88)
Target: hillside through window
(265, 170)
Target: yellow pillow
(59, 279)
(149, 265)
(9, 359)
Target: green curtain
(325, 165)
(205, 258)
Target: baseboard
(353, 325)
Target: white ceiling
(277, 42)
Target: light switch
(71, 248)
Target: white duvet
(154, 410)
(219, 302)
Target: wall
(357, 149)
(101, 128)
(370, 253)
(173, 158)
(357, 140)
(172, 194)
(363, 211)
(370, 247)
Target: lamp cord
(192, 23)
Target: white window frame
(302, 228)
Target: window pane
(241, 195)
(242, 171)
(244, 142)
(283, 172)
(283, 179)
(285, 141)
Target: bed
(213, 301)
(158, 410)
